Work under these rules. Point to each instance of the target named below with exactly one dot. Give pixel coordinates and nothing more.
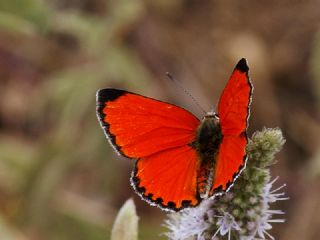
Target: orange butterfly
(180, 160)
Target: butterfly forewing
(233, 107)
(139, 126)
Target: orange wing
(157, 134)
(230, 161)
(168, 178)
(234, 103)
(233, 111)
(138, 126)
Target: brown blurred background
(59, 178)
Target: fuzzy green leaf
(126, 224)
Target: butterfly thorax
(208, 139)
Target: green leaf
(126, 224)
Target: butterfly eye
(211, 114)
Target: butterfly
(179, 160)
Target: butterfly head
(211, 114)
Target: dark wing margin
(104, 96)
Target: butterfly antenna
(179, 84)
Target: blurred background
(59, 178)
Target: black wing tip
(109, 94)
(242, 65)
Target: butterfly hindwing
(230, 161)
(233, 111)
(168, 178)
